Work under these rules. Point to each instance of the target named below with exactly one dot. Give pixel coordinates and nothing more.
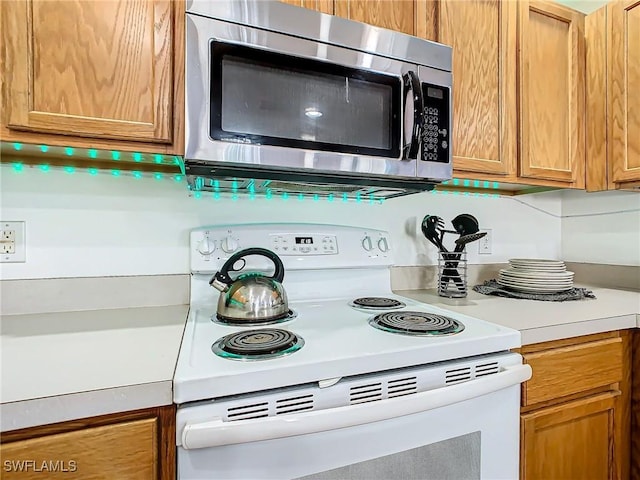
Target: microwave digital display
(304, 240)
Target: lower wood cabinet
(575, 415)
(131, 445)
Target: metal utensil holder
(452, 274)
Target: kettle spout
(220, 282)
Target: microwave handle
(412, 85)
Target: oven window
(453, 459)
(267, 98)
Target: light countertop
(540, 321)
(61, 366)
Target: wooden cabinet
(519, 103)
(483, 37)
(575, 420)
(623, 33)
(324, 6)
(613, 78)
(551, 91)
(132, 445)
(399, 15)
(85, 73)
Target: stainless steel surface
(304, 23)
(253, 299)
(218, 166)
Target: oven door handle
(411, 84)
(217, 432)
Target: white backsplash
(601, 227)
(80, 225)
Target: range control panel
(300, 246)
(304, 244)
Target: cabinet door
(123, 450)
(624, 85)
(552, 95)
(100, 69)
(324, 6)
(396, 15)
(483, 36)
(570, 441)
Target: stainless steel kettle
(252, 298)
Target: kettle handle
(223, 275)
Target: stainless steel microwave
(281, 98)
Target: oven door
(279, 101)
(464, 431)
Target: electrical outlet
(12, 242)
(484, 244)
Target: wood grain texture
(622, 427)
(9, 19)
(571, 441)
(568, 370)
(427, 19)
(324, 6)
(125, 450)
(483, 36)
(396, 15)
(99, 69)
(162, 419)
(596, 96)
(635, 407)
(552, 101)
(623, 18)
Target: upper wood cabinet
(324, 6)
(551, 91)
(483, 36)
(623, 30)
(399, 15)
(100, 70)
(613, 78)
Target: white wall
(81, 225)
(584, 6)
(602, 227)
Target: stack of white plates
(535, 275)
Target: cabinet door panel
(96, 69)
(124, 450)
(324, 6)
(570, 441)
(552, 113)
(624, 85)
(483, 36)
(396, 15)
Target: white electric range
(354, 359)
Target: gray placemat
(492, 287)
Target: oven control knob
(206, 246)
(367, 244)
(229, 244)
(383, 245)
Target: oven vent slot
(457, 375)
(365, 393)
(294, 404)
(486, 369)
(401, 386)
(252, 410)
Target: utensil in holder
(452, 274)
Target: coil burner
(416, 323)
(262, 344)
(377, 303)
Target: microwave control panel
(435, 133)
